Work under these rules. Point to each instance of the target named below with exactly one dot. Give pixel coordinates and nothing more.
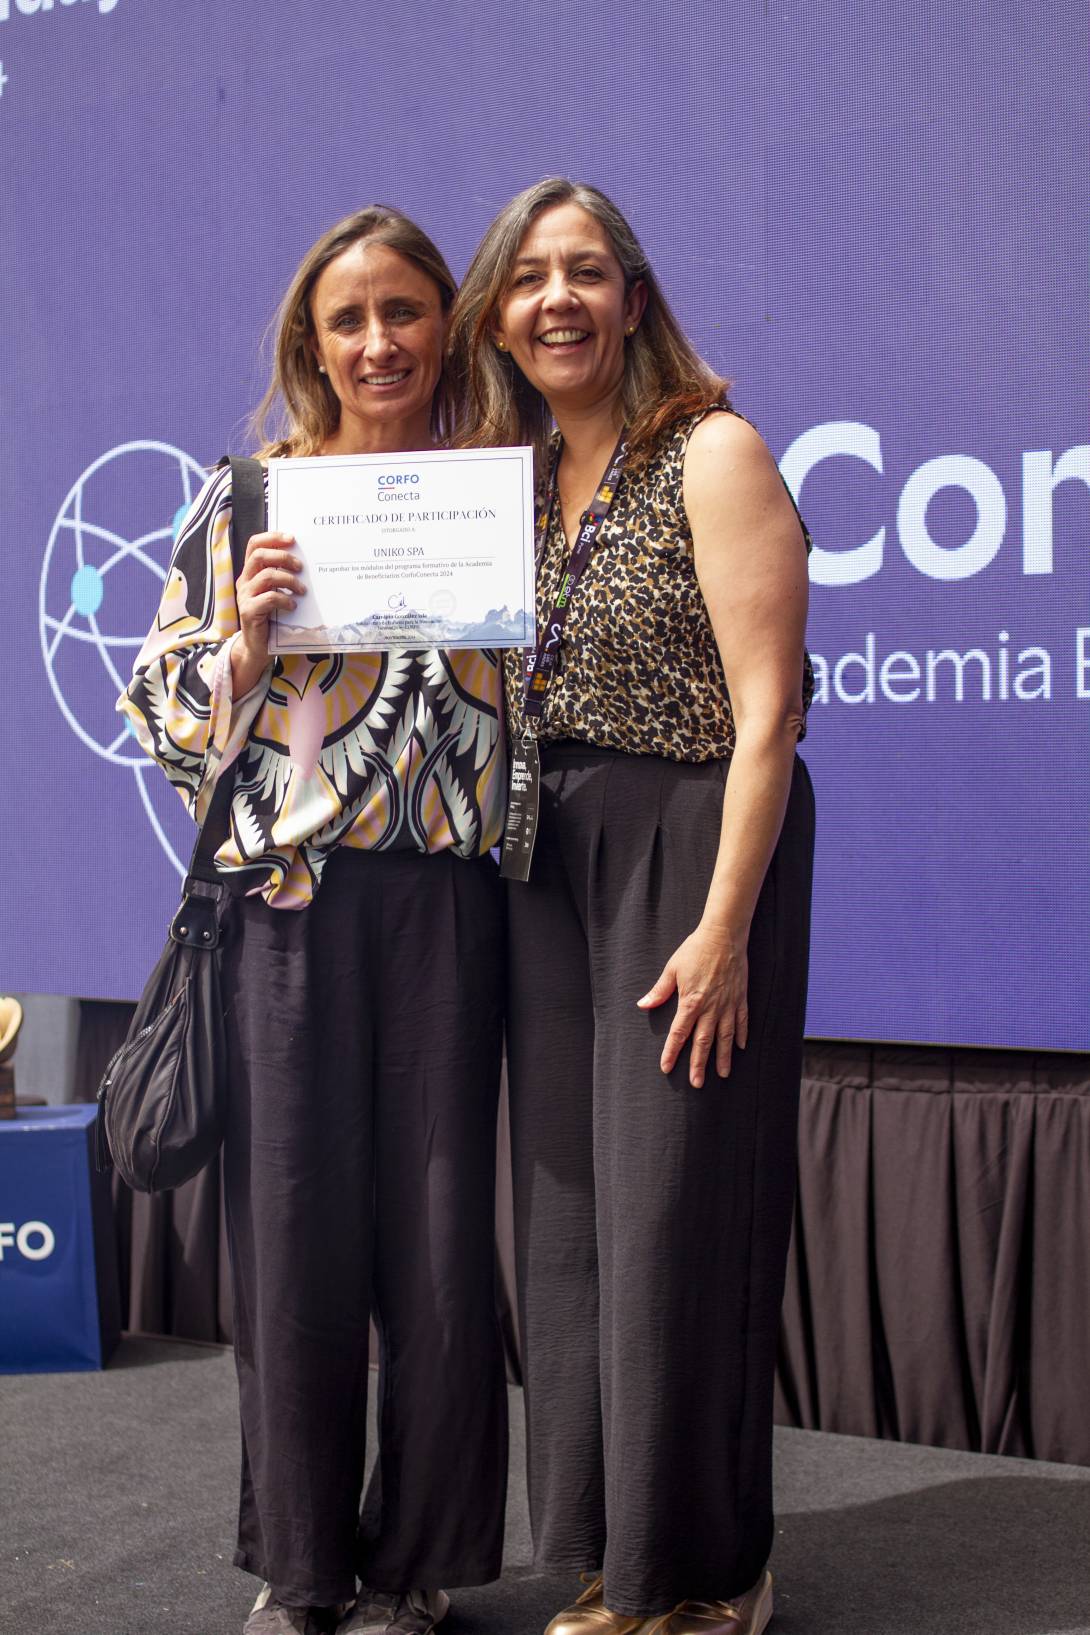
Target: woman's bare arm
(751, 564)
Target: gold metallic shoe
(747, 1614)
(590, 1616)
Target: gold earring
(631, 330)
(502, 345)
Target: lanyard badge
(523, 803)
(525, 792)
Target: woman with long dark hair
(658, 950)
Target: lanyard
(541, 660)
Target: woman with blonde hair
(363, 977)
(653, 1148)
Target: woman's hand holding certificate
(429, 549)
(266, 585)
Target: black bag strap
(247, 518)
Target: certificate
(432, 549)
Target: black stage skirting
(941, 1254)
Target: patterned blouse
(379, 751)
(639, 666)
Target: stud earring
(502, 345)
(631, 330)
(321, 368)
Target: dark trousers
(652, 1219)
(360, 1168)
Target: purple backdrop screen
(871, 216)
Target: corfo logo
(31, 8)
(34, 1240)
(402, 485)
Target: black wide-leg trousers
(360, 1160)
(652, 1219)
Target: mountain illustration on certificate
(408, 627)
(501, 627)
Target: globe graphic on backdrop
(102, 576)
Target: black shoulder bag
(162, 1098)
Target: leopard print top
(639, 667)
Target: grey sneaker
(415, 1613)
(369, 1614)
(271, 1617)
(418, 1612)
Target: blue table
(59, 1303)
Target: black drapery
(936, 1286)
(941, 1255)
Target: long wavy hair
(300, 409)
(664, 378)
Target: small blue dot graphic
(179, 518)
(87, 590)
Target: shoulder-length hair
(300, 409)
(664, 378)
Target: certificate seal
(442, 603)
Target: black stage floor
(117, 1501)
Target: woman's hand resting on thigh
(710, 974)
(750, 557)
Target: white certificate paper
(432, 549)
